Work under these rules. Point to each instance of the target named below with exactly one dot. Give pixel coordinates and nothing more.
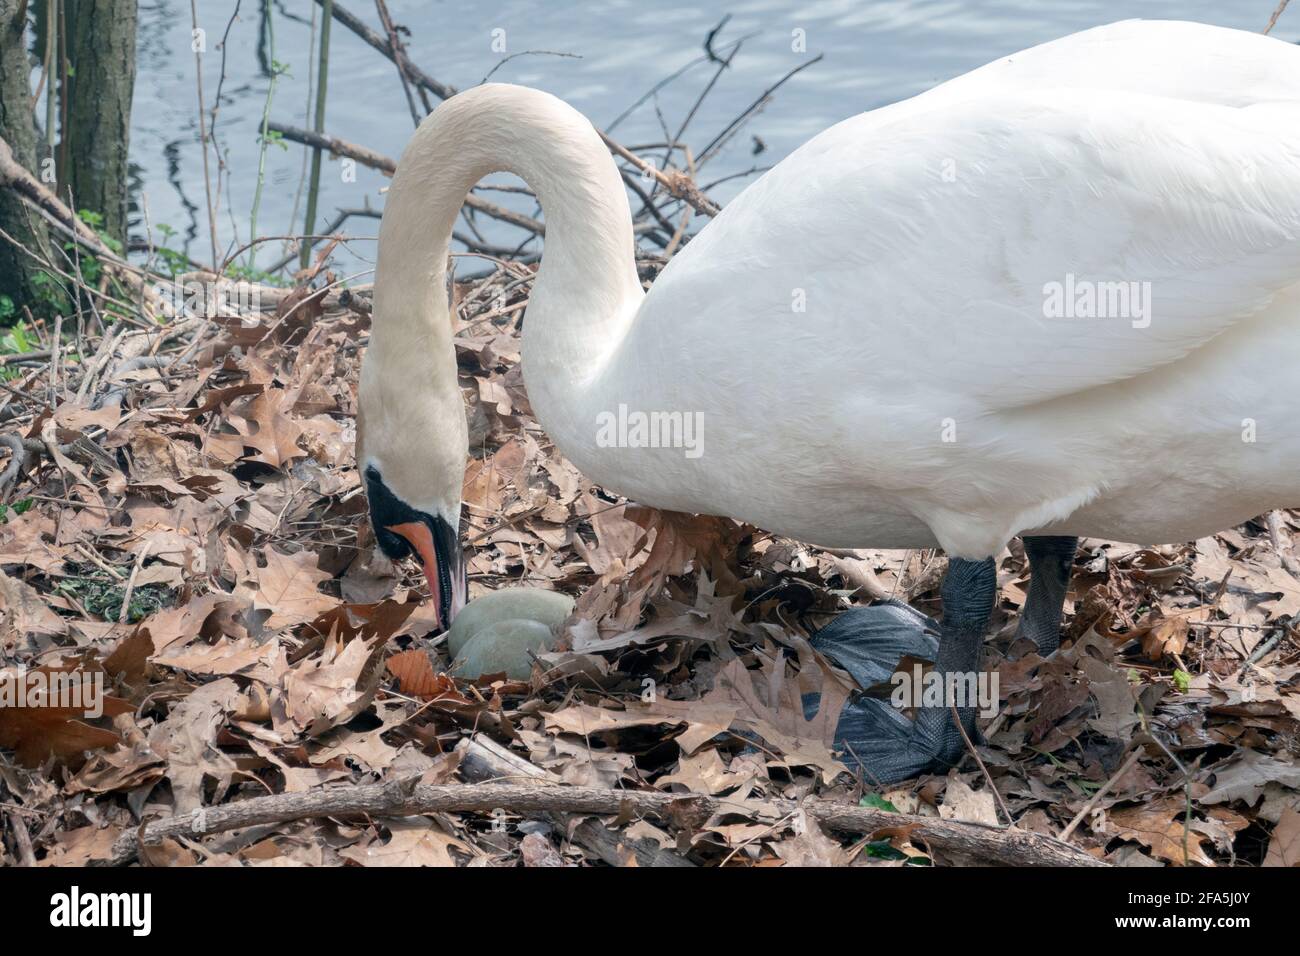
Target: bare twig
(203, 131)
(322, 85)
(399, 57)
(22, 839)
(140, 557)
(1096, 797)
(505, 60)
(707, 152)
(988, 777)
(348, 19)
(1272, 21)
(678, 184)
(368, 157)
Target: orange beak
(418, 535)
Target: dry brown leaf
(1159, 826)
(187, 741)
(770, 705)
(23, 611)
(322, 692)
(416, 677)
(44, 712)
(960, 802)
(1284, 843)
(414, 842)
(288, 588)
(261, 423)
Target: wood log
(402, 798)
(483, 760)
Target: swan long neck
(586, 290)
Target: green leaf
(18, 507)
(16, 342)
(1182, 680)
(877, 802)
(883, 850)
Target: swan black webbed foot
(868, 642)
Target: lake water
(874, 53)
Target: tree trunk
(18, 128)
(101, 48)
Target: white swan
(888, 337)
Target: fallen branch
(401, 798)
(339, 147)
(24, 357)
(483, 760)
(677, 184)
(348, 19)
(14, 176)
(399, 59)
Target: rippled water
(874, 53)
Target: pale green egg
(532, 604)
(503, 647)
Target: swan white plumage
(867, 331)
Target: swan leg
(1050, 561)
(968, 592)
(868, 642)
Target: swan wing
(964, 237)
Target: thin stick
(51, 101)
(130, 583)
(216, 105)
(399, 56)
(678, 184)
(734, 124)
(318, 124)
(266, 118)
(98, 561)
(1096, 797)
(203, 130)
(485, 761)
(344, 16)
(988, 778)
(22, 839)
(56, 342)
(1272, 21)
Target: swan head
(412, 464)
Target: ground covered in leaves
(191, 528)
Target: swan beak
(444, 569)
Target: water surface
(873, 53)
